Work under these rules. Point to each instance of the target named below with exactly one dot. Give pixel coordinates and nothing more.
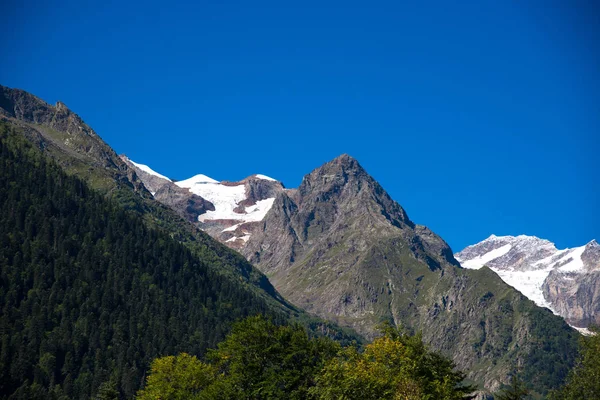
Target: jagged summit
(339, 166)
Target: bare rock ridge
(332, 203)
(69, 140)
(565, 281)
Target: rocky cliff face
(565, 281)
(575, 293)
(341, 248)
(69, 140)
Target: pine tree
(515, 391)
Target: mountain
(97, 278)
(91, 295)
(566, 281)
(337, 245)
(64, 137)
(340, 247)
(228, 211)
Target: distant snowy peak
(506, 251)
(201, 178)
(523, 253)
(228, 211)
(528, 263)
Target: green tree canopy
(583, 381)
(394, 366)
(261, 360)
(179, 377)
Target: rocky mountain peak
(333, 176)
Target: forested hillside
(89, 293)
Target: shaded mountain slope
(90, 294)
(62, 135)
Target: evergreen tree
(583, 381)
(90, 294)
(515, 391)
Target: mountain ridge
(342, 248)
(566, 281)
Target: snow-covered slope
(228, 211)
(227, 198)
(149, 170)
(529, 264)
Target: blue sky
(478, 118)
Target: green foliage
(584, 380)
(394, 366)
(552, 349)
(89, 294)
(515, 391)
(179, 378)
(262, 360)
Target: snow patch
(576, 263)
(584, 331)
(233, 239)
(258, 211)
(226, 199)
(195, 180)
(149, 170)
(481, 260)
(528, 282)
(231, 228)
(267, 178)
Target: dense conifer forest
(89, 293)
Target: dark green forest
(90, 294)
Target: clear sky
(478, 118)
